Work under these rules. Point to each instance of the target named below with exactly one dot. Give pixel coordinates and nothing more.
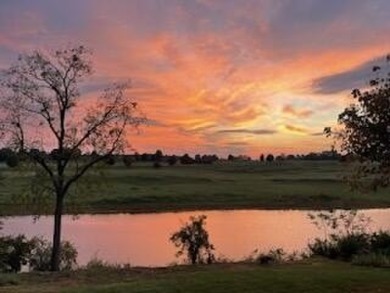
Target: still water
(143, 239)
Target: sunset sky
(228, 76)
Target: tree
(270, 158)
(172, 160)
(41, 105)
(198, 159)
(186, 160)
(365, 131)
(193, 239)
(158, 156)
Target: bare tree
(40, 106)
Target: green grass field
(142, 188)
(312, 276)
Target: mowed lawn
(308, 277)
(142, 188)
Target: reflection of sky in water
(142, 240)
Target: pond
(142, 239)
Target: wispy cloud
(248, 131)
(294, 111)
(295, 129)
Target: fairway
(224, 185)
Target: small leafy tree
(193, 240)
(365, 131)
(41, 104)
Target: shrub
(271, 257)
(346, 238)
(380, 242)
(41, 255)
(193, 240)
(351, 245)
(14, 252)
(323, 247)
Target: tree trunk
(55, 256)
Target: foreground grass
(142, 188)
(312, 276)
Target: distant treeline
(12, 158)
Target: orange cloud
(291, 110)
(295, 129)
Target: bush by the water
(41, 255)
(342, 247)
(17, 251)
(346, 238)
(271, 257)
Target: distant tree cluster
(331, 155)
(239, 158)
(158, 158)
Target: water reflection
(142, 239)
